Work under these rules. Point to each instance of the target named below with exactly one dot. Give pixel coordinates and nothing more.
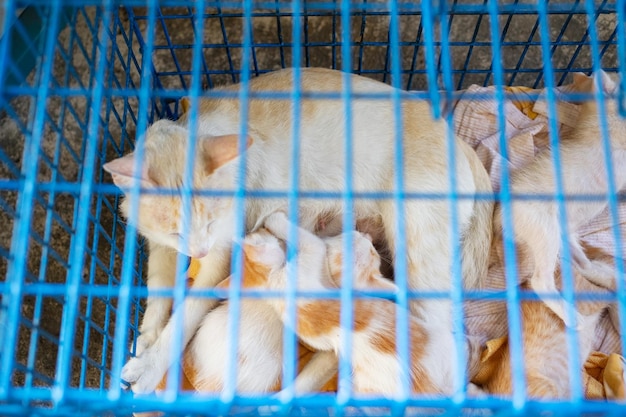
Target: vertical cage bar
(599, 96)
(431, 66)
(399, 196)
(131, 237)
(560, 197)
(455, 292)
(77, 250)
(234, 300)
(293, 267)
(344, 388)
(19, 243)
(510, 259)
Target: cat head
(163, 168)
(365, 265)
(588, 117)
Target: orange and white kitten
(536, 223)
(376, 368)
(259, 349)
(322, 158)
(545, 344)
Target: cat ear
(185, 105)
(379, 282)
(122, 171)
(582, 82)
(608, 84)
(224, 284)
(587, 84)
(219, 150)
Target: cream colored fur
(536, 223)
(259, 353)
(322, 168)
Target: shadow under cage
(81, 83)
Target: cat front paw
(144, 372)
(145, 341)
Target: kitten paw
(474, 391)
(144, 341)
(276, 221)
(144, 372)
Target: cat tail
(478, 236)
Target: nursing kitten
(322, 155)
(259, 349)
(536, 223)
(376, 367)
(545, 345)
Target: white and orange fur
(259, 353)
(536, 223)
(545, 358)
(260, 336)
(211, 227)
(376, 368)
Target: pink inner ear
(122, 171)
(120, 166)
(608, 84)
(220, 150)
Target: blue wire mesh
(72, 98)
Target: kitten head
(163, 168)
(588, 120)
(366, 261)
(263, 259)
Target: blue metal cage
(80, 79)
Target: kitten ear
(185, 105)
(379, 282)
(224, 284)
(587, 84)
(582, 82)
(219, 150)
(122, 171)
(609, 86)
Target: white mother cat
(428, 221)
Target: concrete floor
(368, 55)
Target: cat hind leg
(543, 244)
(596, 272)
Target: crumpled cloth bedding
(526, 134)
